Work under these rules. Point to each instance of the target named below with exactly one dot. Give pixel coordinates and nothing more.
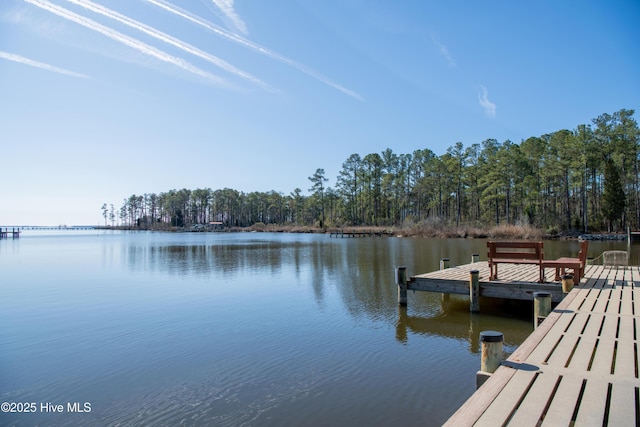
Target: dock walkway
(579, 367)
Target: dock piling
(491, 357)
(401, 281)
(474, 291)
(541, 307)
(475, 257)
(567, 283)
(444, 264)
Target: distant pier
(358, 233)
(14, 232)
(4, 234)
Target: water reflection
(455, 321)
(361, 271)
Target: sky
(103, 99)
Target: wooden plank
(592, 405)
(476, 405)
(513, 290)
(626, 300)
(604, 356)
(561, 408)
(498, 413)
(519, 291)
(623, 403)
(635, 281)
(566, 349)
(533, 406)
(582, 353)
(602, 302)
(441, 285)
(543, 350)
(580, 294)
(626, 363)
(592, 297)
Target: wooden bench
(514, 253)
(576, 264)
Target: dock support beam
(474, 291)
(401, 281)
(541, 307)
(444, 263)
(475, 257)
(491, 355)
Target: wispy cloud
(126, 40)
(488, 106)
(251, 45)
(166, 38)
(443, 50)
(226, 7)
(41, 65)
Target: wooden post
(475, 257)
(567, 283)
(444, 263)
(491, 355)
(474, 291)
(401, 281)
(541, 307)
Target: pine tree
(613, 198)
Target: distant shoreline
(498, 232)
(503, 232)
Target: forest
(586, 179)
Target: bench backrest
(582, 255)
(515, 250)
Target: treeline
(587, 179)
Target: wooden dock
(579, 367)
(516, 281)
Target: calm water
(228, 329)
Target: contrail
(254, 46)
(126, 40)
(41, 65)
(226, 7)
(167, 39)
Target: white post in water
(474, 291)
(491, 355)
(541, 307)
(475, 257)
(401, 281)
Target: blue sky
(103, 99)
